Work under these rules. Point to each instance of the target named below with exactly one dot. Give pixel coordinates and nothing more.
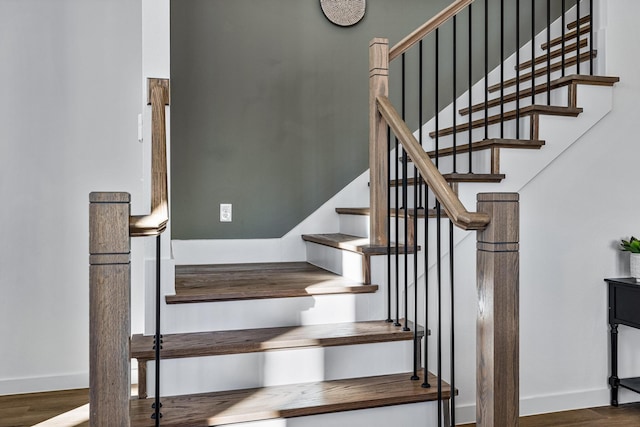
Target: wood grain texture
(497, 393)
(286, 401)
(421, 32)
(584, 29)
(217, 343)
(438, 185)
(394, 212)
(541, 88)
(232, 282)
(109, 309)
(156, 221)
(550, 110)
(554, 54)
(354, 243)
(584, 20)
(378, 142)
(542, 71)
(487, 144)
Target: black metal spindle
(518, 69)
(470, 85)
(439, 286)
(397, 245)
(533, 52)
(425, 382)
(405, 205)
(437, 78)
(486, 69)
(157, 341)
(562, 52)
(420, 116)
(455, 79)
(415, 377)
(389, 225)
(578, 36)
(452, 355)
(590, 38)
(501, 68)
(548, 52)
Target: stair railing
(496, 222)
(111, 227)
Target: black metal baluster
(470, 85)
(590, 38)
(389, 225)
(439, 284)
(397, 245)
(501, 68)
(548, 52)
(486, 69)
(415, 276)
(533, 53)
(420, 118)
(562, 52)
(405, 206)
(157, 341)
(518, 69)
(437, 110)
(425, 382)
(455, 75)
(578, 37)
(452, 282)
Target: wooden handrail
(447, 13)
(444, 193)
(156, 222)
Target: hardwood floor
(69, 408)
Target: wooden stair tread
(554, 54)
(215, 343)
(572, 60)
(400, 212)
(551, 110)
(486, 144)
(294, 400)
(350, 243)
(474, 177)
(584, 20)
(576, 32)
(230, 282)
(554, 84)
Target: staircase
(334, 340)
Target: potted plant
(633, 247)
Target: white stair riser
(279, 367)
(345, 263)
(355, 225)
(410, 415)
(265, 313)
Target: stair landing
(232, 282)
(220, 408)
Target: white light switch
(225, 212)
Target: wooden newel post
(109, 309)
(378, 148)
(497, 394)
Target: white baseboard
(554, 403)
(52, 382)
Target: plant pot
(634, 266)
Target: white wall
(69, 98)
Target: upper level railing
(111, 227)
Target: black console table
(624, 309)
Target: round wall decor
(343, 12)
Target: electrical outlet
(225, 212)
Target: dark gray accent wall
(270, 103)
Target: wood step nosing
(567, 36)
(577, 79)
(511, 115)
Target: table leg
(614, 381)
